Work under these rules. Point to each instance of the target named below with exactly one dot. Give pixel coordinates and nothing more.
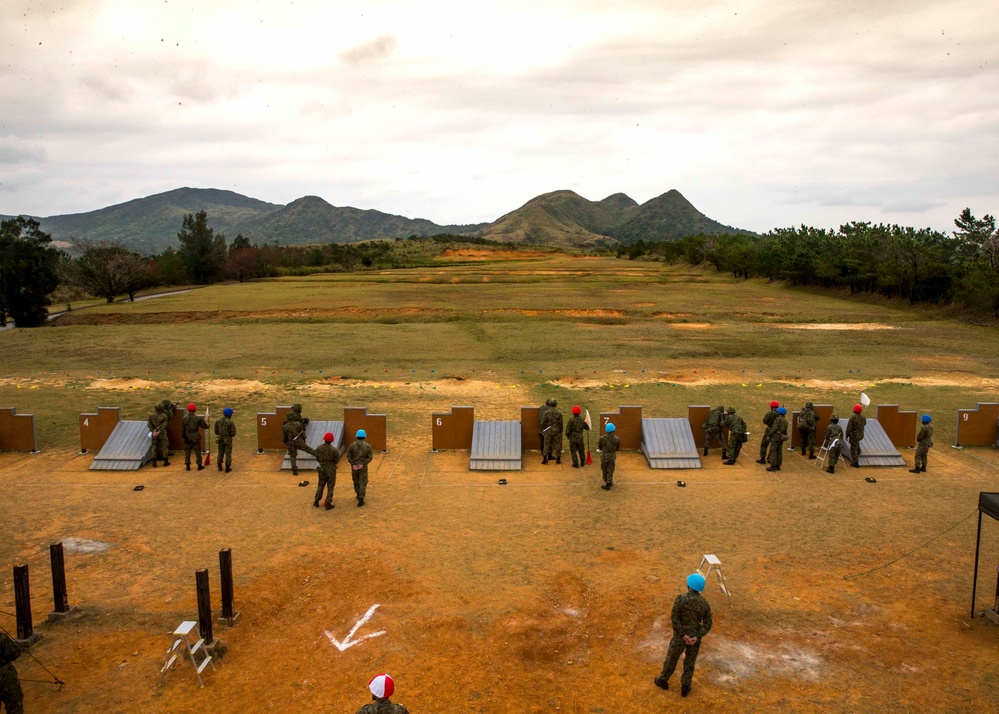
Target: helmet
(834, 418)
(731, 410)
(610, 428)
(227, 411)
(290, 416)
(927, 418)
(721, 407)
(808, 405)
(192, 408)
(381, 686)
(554, 403)
(774, 404)
(328, 438)
(695, 581)
(550, 402)
(857, 408)
(159, 406)
(361, 433)
(577, 410)
(782, 411)
(296, 407)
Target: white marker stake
(347, 642)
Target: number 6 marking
(440, 422)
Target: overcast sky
(762, 113)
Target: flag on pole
(208, 443)
(864, 399)
(589, 459)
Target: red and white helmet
(381, 686)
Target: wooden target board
(269, 425)
(97, 427)
(628, 423)
(374, 425)
(452, 430)
(17, 431)
(978, 426)
(823, 412)
(898, 425)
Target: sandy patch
(693, 325)
(473, 254)
(839, 326)
(671, 315)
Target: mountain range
(561, 218)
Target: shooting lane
(17, 431)
(270, 437)
(823, 412)
(669, 443)
(697, 415)
(175, 429)
(978, 426)
(877, 447)
(374, 425)
(121, 445)
(493, 445)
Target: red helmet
(857, 408)
(577, 410)
(191, 408)
(774, 404)
(328, 438)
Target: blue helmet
(361, 433)
(227, 411)
(695, 581)
(610, 428)
(782, 411)
(927, 418)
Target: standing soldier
(777, 435)
(713, 429)
(293, 435)
(833, 442)
(549, 403)
(327, 455)
(806, 429)
(924, 440)
(574, 430)
(551, 427)
(768, 419)
(11, 695)
(158, 430)
(169, 408)
(193, 424)
(608, 446)
(225, 430)
(736, 435)
(359, 455)
(691, 618)
(855, 434)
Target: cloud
(17, 151)
(376, 49)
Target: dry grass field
(547, 594)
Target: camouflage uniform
(855, 434)
(713, 428)
(691, 616)
(383, 707)
(10, 688)
(293, 435)
(327, 455)
(608, 445)
(777, 435)
(924, 440)
(157, 425)
(193, 423)
(360, 454)
(806, 429)
(549, 403)
(225, 430)
(736, 434)
(574, 431)
(768, 419)
(169, 408)
(552, 429)
(834, 433)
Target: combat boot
(315, 504)
(544, 459)
(200, 467)
(558, 459)
(294, 471)
(228, 469)
(187, 467)
(831, 470)
(855, 465)
(724, 455)
(661, 683)
(811, 455)
(166, 462)
(575, 465)
(802, 451)
(220, 467)
(606, 487)
(761, 461)
(773, 468)
(329, 506)
(684, 690)
(915, 470)
(360, 502)
(705, 453)
(155, 464)
(730, 462)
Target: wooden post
(26, 635)
(228, 616)
(59, 594)
(204, 606)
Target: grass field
(546, 594)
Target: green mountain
(667, 217)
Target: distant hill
(667, 217)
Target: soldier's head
(553, 402)
(927, 418)
(550, 402)
(721, 407)
(834, 418)
(774, 404)
(166, 403)
(857, 409)
(296, 407)
(731, 410)
(159, 406)
(382, 687)
(328, 438)
(610, 428)
(577, 411)
(192, 407)
(361, 434)
(695, 581)
(808, 405)
(781, 410)
(290, 416)
(227, 411)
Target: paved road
(54, 315)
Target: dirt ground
(546, 594)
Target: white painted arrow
(347, 642)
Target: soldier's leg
(689, 660)
(764, 444)
(293, 457)
(187, 455)
(541, 441)
(832, 457)
(737, 449)
(776, 454)
(676, 647)
(558, 448)
(228, 456)
(330, 486)
(707, 441)
(855, 452)
(10, 692)
(811, 444)
(221, 455)
(320, 487)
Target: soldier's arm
(706, 621)
(232, 428)
(676, 616)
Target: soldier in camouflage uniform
(359, 455)
(328, 456)
(736, 435)
(855, 434)
(833, 441)
(806, 429)
(10, 687)
(608, 447)
(551, 427)
(574, 431)
(924, 440)
(193, 423)
(293, 435)
(691, 618)
(549, 403)
(713, 429)
(169, 408)
(777, 435)
(296, 410)
(225, 430)
(157, 425)
(382, 688)
(768, 419)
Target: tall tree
(106, 269)
(202, 251)
(28, 270)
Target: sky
(763, 114)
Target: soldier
(293, 435)
(296, 409)
(157, 425)
(382, 687)
(713, 429)
(225, 430)
(768, 419)
(806, 429)
(169, 408)
(608, 446)
(855, 434)
(11, 695)
(833, 441)
(549, 403)
(551, 427)
(924, 440)
(359, 455)
(736, 435)
(193, 423)
(574, 431)
(691, 618)
(777, 435)
(327, 455)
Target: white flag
(587, 419)
(864, 399)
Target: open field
(546, 594)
